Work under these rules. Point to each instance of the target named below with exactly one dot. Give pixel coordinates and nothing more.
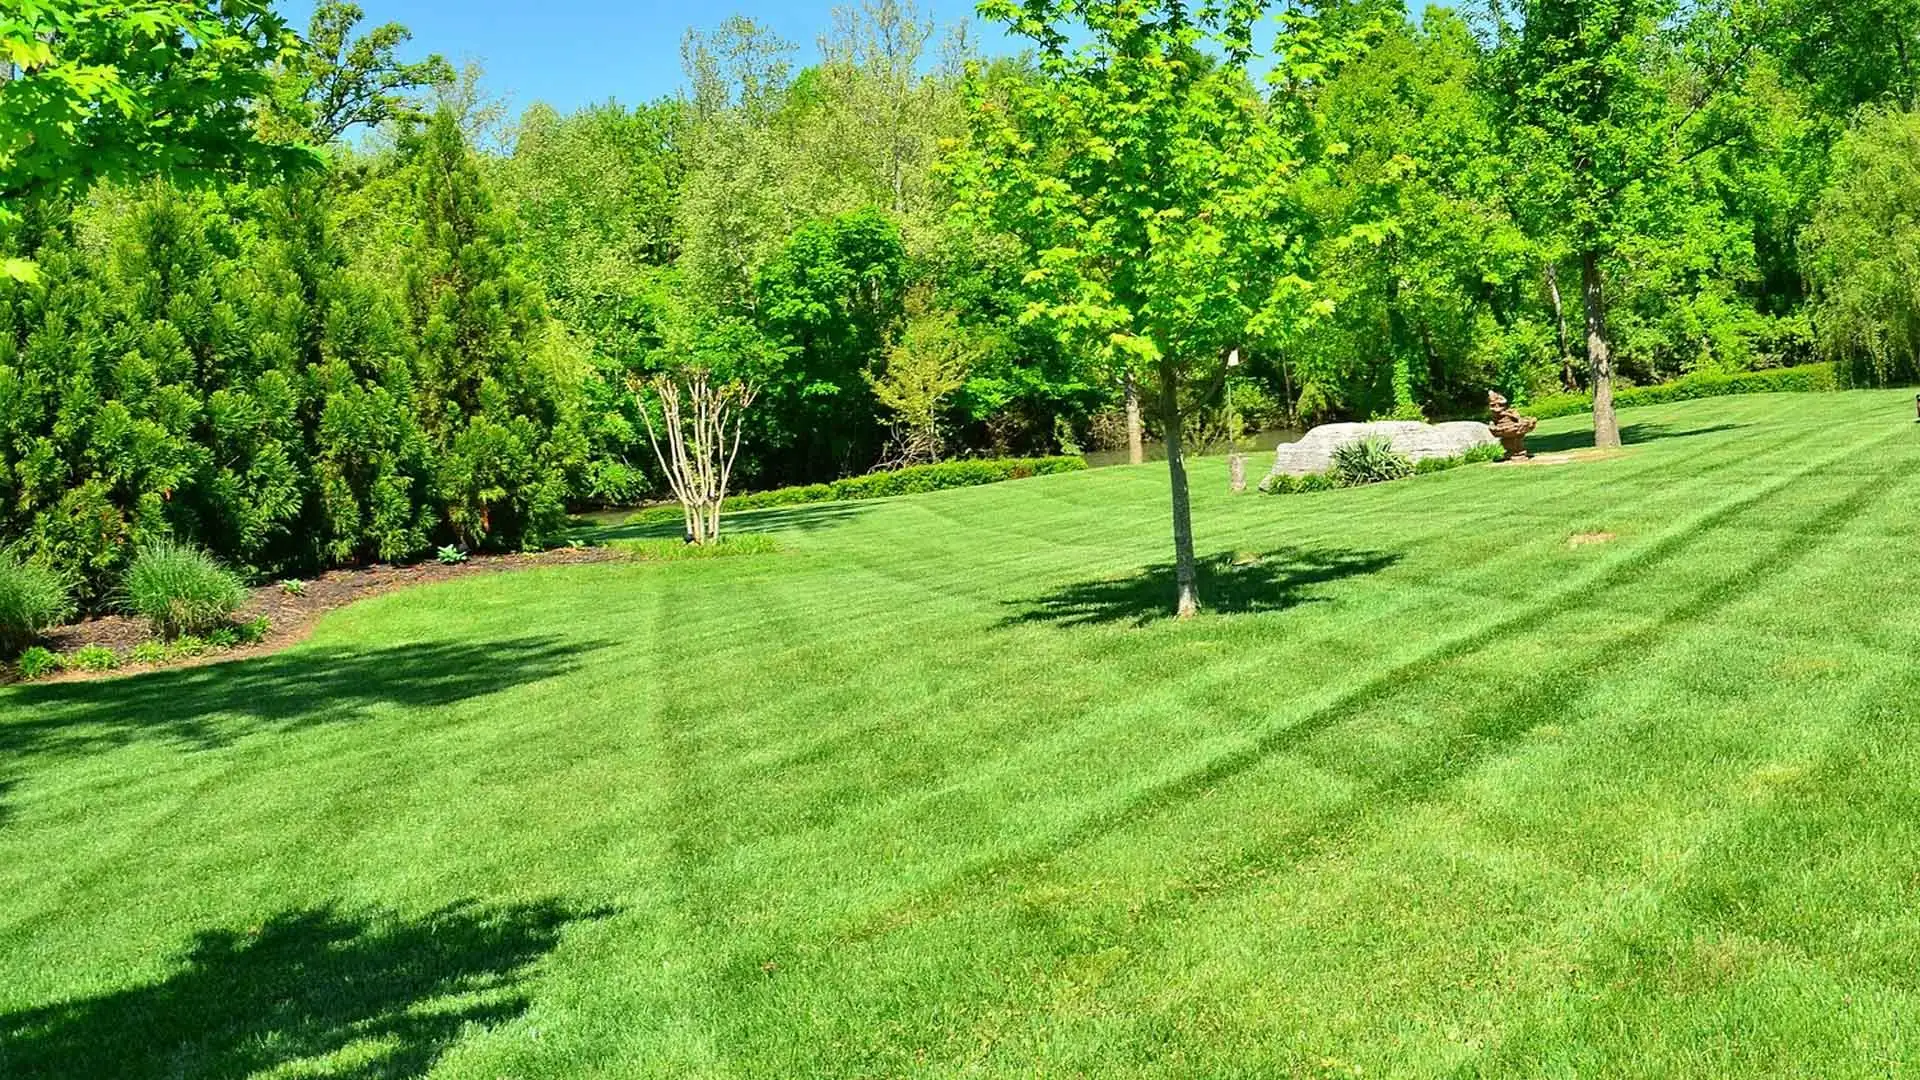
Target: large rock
(1314, 452)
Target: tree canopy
(317, 298)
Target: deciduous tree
(697, 439)
(925, 365)
(338, 81)
(1602, 103)
(1864, 248)
(134, 88)
(1153, 189)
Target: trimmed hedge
(1802, 379)
(971, 472)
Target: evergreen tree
(366, 464)
(491, 409)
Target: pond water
(1253, 445)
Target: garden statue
(1509, 427)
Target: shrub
(186, 646)
(148, 652)
(234, 635)
(37, 663)
(1370, 461)
(970, 472)
(294, 587)
(1285, 484)
(92, 658)
(32, 598)
(181, 589)
(450, 556)
(1326, 481)
(1279, 484)
(1806, 378)
(675, 550)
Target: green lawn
(936, 790)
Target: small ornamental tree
(926, 365)
(696, 439)
(1152, 188)
(695, 404)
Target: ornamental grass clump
(181, 589)
(1370, 461)
(32, 599)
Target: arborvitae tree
(54, 341)
(228, 379)
(366, 465)
(491, 409)
(239, 440)
(140, 410)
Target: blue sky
(569, 53)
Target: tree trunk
(1187, 603)
(1395, 332)
(1436, 367)
(1568, 381)
(1906, 66)
(1136, 435)
(1606, 426)
(1286, 383)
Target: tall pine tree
(490, 408)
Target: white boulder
(1314, 452)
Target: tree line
(402, 317)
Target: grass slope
(935, 790)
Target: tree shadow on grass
(1630, 434)
(810, 518)
(209, 707)
(388, 994)
(1229, 584)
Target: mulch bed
(290, 618)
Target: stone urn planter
(1510, 427)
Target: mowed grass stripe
(1484, 805)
